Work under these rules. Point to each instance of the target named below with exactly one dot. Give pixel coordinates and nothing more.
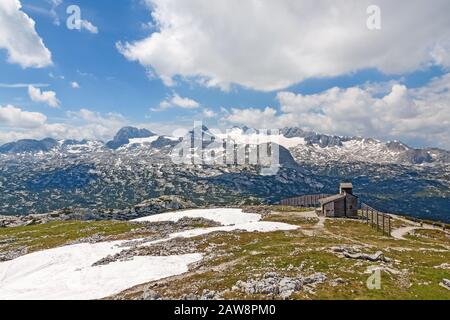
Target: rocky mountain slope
(319, 148)
(136, 166)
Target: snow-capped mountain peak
(305, 146)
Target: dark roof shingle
(332, 198)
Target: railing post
(367, 213)
(378, 221)
(371, 218)
(383, 224)
(389, 226)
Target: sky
(331, 66)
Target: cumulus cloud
(109, 120)
(16, 124)
(88, 124)
(253, 117)
(75, 85)
(14, 117)
(419, 116)
(185, 103)
(19, 37)
(175, 101)
(47, 97)
(270, 45)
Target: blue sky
(116, 86)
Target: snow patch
(226, 217)
(231, 220)
(259, 226)
(67, 272)
(147, 140)
(241, 137)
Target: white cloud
(88, 124)
(22, 85)
(75, 85)
(419, 116)
(48, 97)
(270, 45)
(17, 124)
(176, 101)
(87, 25)
(147, 26)
(13, 117)
(110, 119)
(255, 118)
(19, 37)
(53, 76)
(185, 103)
(208, 113)
(85, 74)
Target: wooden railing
(377, 220)
(305, 201)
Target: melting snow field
(226, 217)
(250, 227)
(67, 272)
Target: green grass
(431, 237)
(54, 234)
(251, 255)
(290, 209)
(292, 218)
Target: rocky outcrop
(378, 256)
(146, 208)
(274, 284)
(417, 156)
(396, 146)
(261, 210)
(206, 295)
(445, 284)
(151, 295)
(13, 254)
(355, 253)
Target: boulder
(378, 256)
(151, 295)
(273, 284)
(445, 284)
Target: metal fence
(377, 220)
(305, 201)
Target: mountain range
(41, 176)
(305, 146)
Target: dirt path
(400, 233)
(317, 228)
